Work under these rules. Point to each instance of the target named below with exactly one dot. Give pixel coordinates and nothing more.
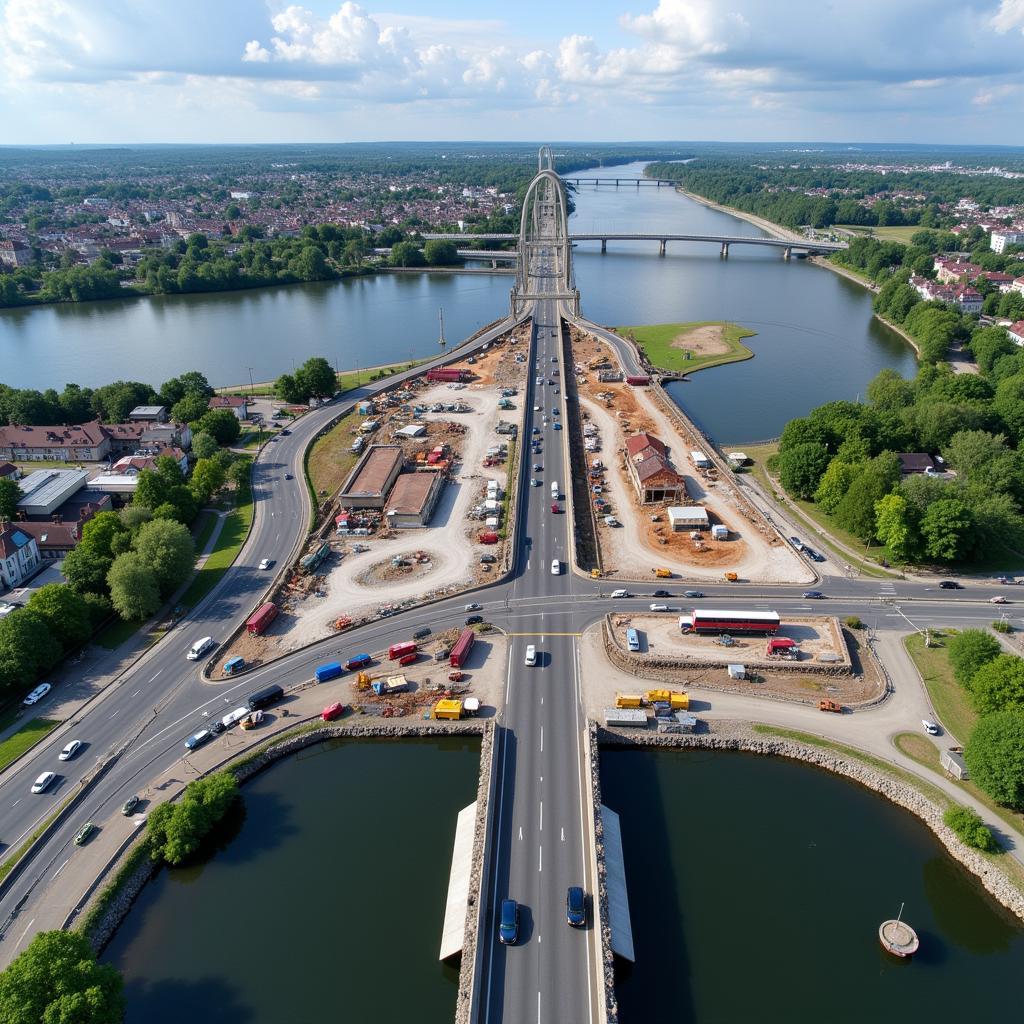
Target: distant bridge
(657, 182)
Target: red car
(332, 711)
(555, 509)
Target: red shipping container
(396, 651)
(257, 623)
(462, 648)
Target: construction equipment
(731, 577)
(447, 708)
(662, 574)
(830, 705)
(677, 700)
(629, 700)
(363, 681)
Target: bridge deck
(618, 899)
(457, 905)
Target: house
(652, 473)
(951, 270)
(14, 253)
(237, 404)
(54, 540)
(1016, 332)
(19, 555)
(8, 469)
(1004, 237)
(1018, 285)
(129, 438)
(916, 462)
(148, 413)
(1003, 282)
(965, 298)
(88, 442)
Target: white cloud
(694, 26)
(1009, 16)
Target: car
(420, 633)
(555, 508)
(44, 782)
(275, 438)
(266, 563)
(472, 620)
(998, 599)
(797, 543)
(536, 408)
(554, 359)
(659, 607)
(488, 559)
(285, 433)
(85, 833)
(556, 567)
(332, 711)
(288, 476)
(196, 740)
(472, 607)
(535, 482)
(531, 655)
(37, 694)
(575, 907)
(619, 593)
(538, 468)
(660, 593)
(217, 727)
(536, 430)
(554, 411)
(508, 923)
(70, 750)
(813, 595)
(930, 727)
(1008, 581)
(694, 593)
(950, 585)
(558, 426)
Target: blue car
(195, 741)
(558, 426)
(508, 926)
(575, 907)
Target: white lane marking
(136, 693)
(16, 802)
(540, 858)
(520, 833)
(508, 682)
(113, 714)
(61, 868)
(583, 830)
(157, 673)
(541, 816)
(25, 932)
(563, 834)
(542, 734)
(538, 997)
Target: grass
(24, 739)
(918, 748)
(656, 342)
(947, 696)
(902, 233)
(206, 523)
(330, 460)
(229, 542)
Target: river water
(816, 338)
(757, 885)
(324, 900)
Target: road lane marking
(520, 833)
(25, 932)
(136, 693)
(541, 829)
(157, 673)
(61, 868)
(16, 802)
(563, 833)
(540, 859)
(542, 737)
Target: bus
(632, 639)
(710, 620)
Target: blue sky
(255, 71)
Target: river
(816, 338)
(756, 888)
(326, 890)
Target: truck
(447, 708)
(257, 623)
(358, 661)
(830, 705)
(677, 700)
(781, 646)
(386, 687)
(662, 574)
(310, 562)
(638, 380)
(447, 373)
(488, 537)
(396, 651)
(330, 670)
(460, 652)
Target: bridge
(632, 180)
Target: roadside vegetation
(175, 830)
(24, 739)
(685, 347)
(330, 459)
(947, 696)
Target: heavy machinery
(830, 705)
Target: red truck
(447, 373)
(402, 650)
(257, 623)
(638, 381)
(488, 537)
(462, 648)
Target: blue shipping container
(329, 671)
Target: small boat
(897, 937)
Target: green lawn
(24, 739)
(948, 697)
(329, 461)
(902, 233)
(656, 341)
(225, 551)
(918, 747)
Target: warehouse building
(687, 517)
(369, 483)
(45, 490)
(414, 498)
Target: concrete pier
(457, 905)
(618, 899)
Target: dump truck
(393, 684)
(447, 708)
(629, 700)
(662, 573)
(731, 577)
(830, 705)
(677, 700)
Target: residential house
(19, 555)
(8, 469)
(237, 404)
(1018, 285)
(14, 253)
(86, 443)
(949, 270)
(653, 475)
(148, 413)
(54, 540)
(1016, 332)
(1004, 282)
(915, 462)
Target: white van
(556, 567)
(199, 648)
(531, 655)
(555, 493)
(235, 716)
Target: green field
(948, 697)
(225, 550)
(24, 739)
(656, 340)
(891, 234)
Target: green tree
(947, 529)
(27, 647)
(151, 490)
(439, 253)
(176, 830)
(167, 550)
(86, 569)
(970, 452)
(99, 532)
(65, 611)
(998, 684)
(406, 254)
(802, 466)
(316, 378)
(221, 424)
(967, 824)
(240, 473)
(10, 495)
(834, 484)
(288, 389)
(133, 516)
(203, 445)
(190, 407)
(994, 756)
(968, 651)
(134, 590)
(856, 511)
(57, 980)
(1009, 403)
(895, 526)
(207, 478)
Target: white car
(265, 564)
(37, 695)
(659, 607)
(930, 727)
(234, 716)
(70, 750)
(531, 655)
(619, 593)
(998, 599)
(536, 408)
(556, 567)
(43, 783)
(472, 607)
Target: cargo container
(629, 700)
(638, 380)
(332, 711)
(257, 623)
(677, 700)
(408, 659)
(447, 373)
(396, 651)
(488, 537)
(460, 652)
(331, 670)
(625, 716)
(393, 684)
(447, 708)
(358, 661)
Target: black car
(472, 620)
(217, 727)
(421, 633)
(288, 476)
(575, 907)
(950, 585)
(508, 923)
(660, 593)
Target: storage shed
(687, 517)
(700, 460)
(953, 762)
(737, 672)
(411, 430)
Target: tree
(998, 684)
(133, 516)
(967, 824)
(287, 388)
(134, 590)
(406, 254)
(240, 473)
(190, 407)
(802, 466)
(65, 611)
(221, 424)
(439, 253)
(203, 445)
(994, 756)
(86, 569)
(57, 980)
(113, 402)
(99, 532)
(207, 478)
(26, 648)
(969, 452)
(176, 830)
(968, 651)
(10, 495)
(167, 550)
(895, 526)
(316, 379)
(856, 511)
(834, 485)
(151, 490)
(947, 530)
(1009, 403)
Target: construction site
(662, 499)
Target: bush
(971, 829)
(176, 830)
(1002, 626)
(994, 756)
(853, 622)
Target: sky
(229, 71)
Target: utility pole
(252, 387)
(440, 317)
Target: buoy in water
(898, 938)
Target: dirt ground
(660, 638)
(601, 681)
(702, 341)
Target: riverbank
(685, 348)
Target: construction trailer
(447, 708)
(260, 620)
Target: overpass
(630, 180)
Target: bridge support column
(604, 245)
(725, 251)
(787, 253)
(662, 245)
